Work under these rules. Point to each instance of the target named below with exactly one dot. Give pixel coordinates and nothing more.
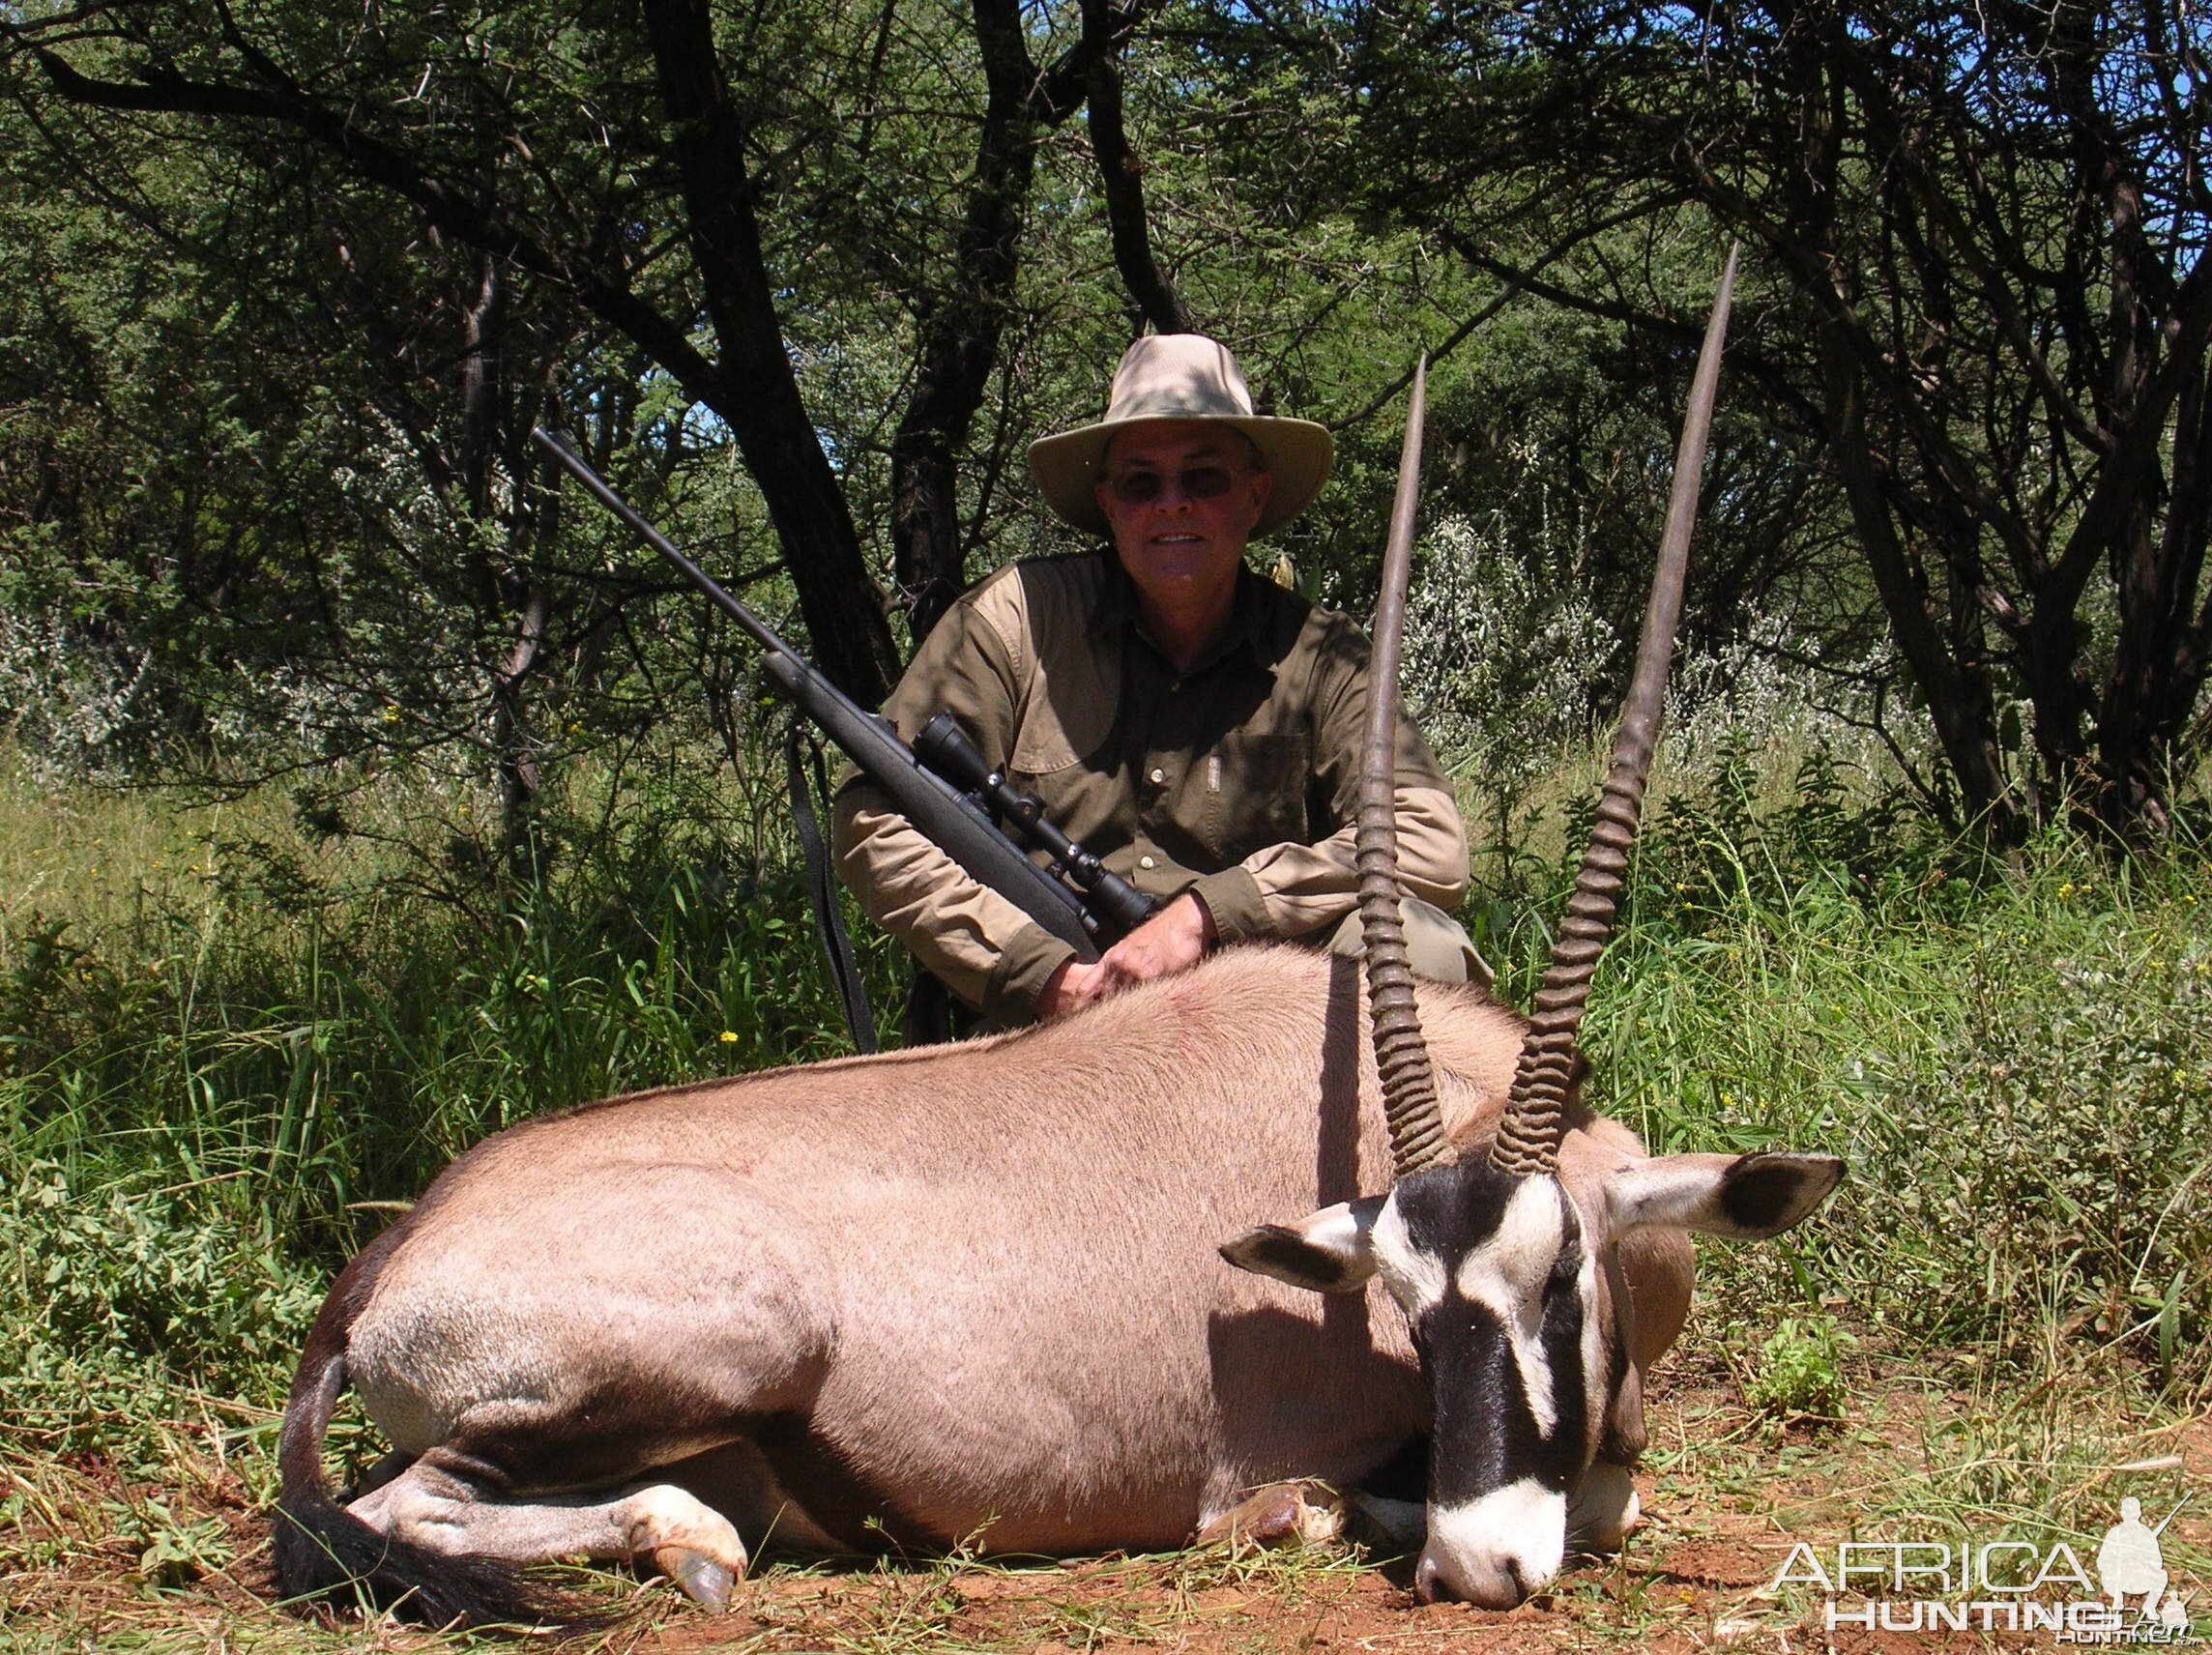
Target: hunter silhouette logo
(2130, 1564)
(2004, 1586)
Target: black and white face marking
(1502, 1294)
(1500, 1280)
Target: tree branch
(1742, 358)
(758, 392)
(1120, 174)
(1507, 292)
(161, 91)
(960, 335)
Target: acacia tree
(692, 179)
(961, 314)
(259, 444)
(1980, 282)
(408, 107)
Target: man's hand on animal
(1173, 939)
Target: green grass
(230, 1045)
(2015, 1056)
(228, 1050)
(2019, 1074)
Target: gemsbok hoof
(1304, 1513)
(697, 1576)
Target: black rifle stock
(947, 816)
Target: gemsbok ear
(1744, 1197)
(1326, 1252)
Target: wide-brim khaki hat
(1181, 376)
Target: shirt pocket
(1255, 787)
(1065, 721)
(1067, 712)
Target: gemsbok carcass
(975, 1294)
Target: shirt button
(1158, 775)
(1145, 862)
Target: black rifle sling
(822, 887)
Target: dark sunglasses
(1198, 482)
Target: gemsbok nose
(1493, 1552)
(1494, 1586)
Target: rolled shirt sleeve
(979, 944)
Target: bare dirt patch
(1725, 1498)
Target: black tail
(324, 1551)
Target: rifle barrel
(940, 811)
(557, 444)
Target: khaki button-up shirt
(1237, 780)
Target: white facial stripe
(1597, 1391)
(1523, 1525)
(1508, 1267)
(1535, 1370)
(1505, 1275)
(1415, 1279)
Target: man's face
(1181, 498)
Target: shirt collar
(1247, 627)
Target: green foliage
(2012, 1057)
(1801, 1367)
(124, 1269)
(1596, 147)
(2068, 1143)
(172, 1547)
(219, 1082)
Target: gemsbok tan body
(967, 1294)
(982, 1295)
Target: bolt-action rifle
(942, 785)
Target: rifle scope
(948, 751)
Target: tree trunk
(1120, 174)
(1959, 701)
(960, 334)
(753, 388)
(2144, 720)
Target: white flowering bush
(1756, 691)
(1501, 668)
(1510, 666)
(68, 701)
